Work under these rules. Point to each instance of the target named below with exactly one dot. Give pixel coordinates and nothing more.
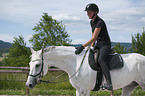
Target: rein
(49, 81)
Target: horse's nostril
(30, 85)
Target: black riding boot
(106, 73)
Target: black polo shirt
(103, 37)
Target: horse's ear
(53, 46)
(42, 48)
(32, 51)
(40, 51)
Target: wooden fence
(24, 70)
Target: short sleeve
(99, 24)
(91, 23)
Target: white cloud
(10, 38)
(6, 37)
(126, 16)
(142, 19)
(27, 40)
(66, 17)
(79, 41)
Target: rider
(101, 39)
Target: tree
(19, 54)
(1, 55)
(120, 49)
(49, 32)
(138, 43)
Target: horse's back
(134, 57)
(131, 54)
(135, 63)
(133, 70)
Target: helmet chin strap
(93, 16)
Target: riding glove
(79, 49)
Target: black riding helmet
(92, 7)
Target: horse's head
(51, 56)
(36, 68)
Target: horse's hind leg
(126, 91)
(142, 85)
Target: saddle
(114, 60)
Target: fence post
(27, 89)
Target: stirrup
(107, 86)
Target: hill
(4, 46)
(126, 45)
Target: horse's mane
(60, 48)
(69, 49)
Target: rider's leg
(103, 53)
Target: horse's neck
(67, 63)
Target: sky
(123, 18)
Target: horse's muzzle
(31, 82)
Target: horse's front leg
(126, 91)
(112, 93)
(82, 92)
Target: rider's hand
(79, 49)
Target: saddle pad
(91, 59)
(115, 61)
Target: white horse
(128, 78)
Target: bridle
(50, 81)
(41, 73)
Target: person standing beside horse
(100, 39)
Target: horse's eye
(37, 65)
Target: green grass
(15, 87)
(37, 91)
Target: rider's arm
(94, 37)
(92, 42)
